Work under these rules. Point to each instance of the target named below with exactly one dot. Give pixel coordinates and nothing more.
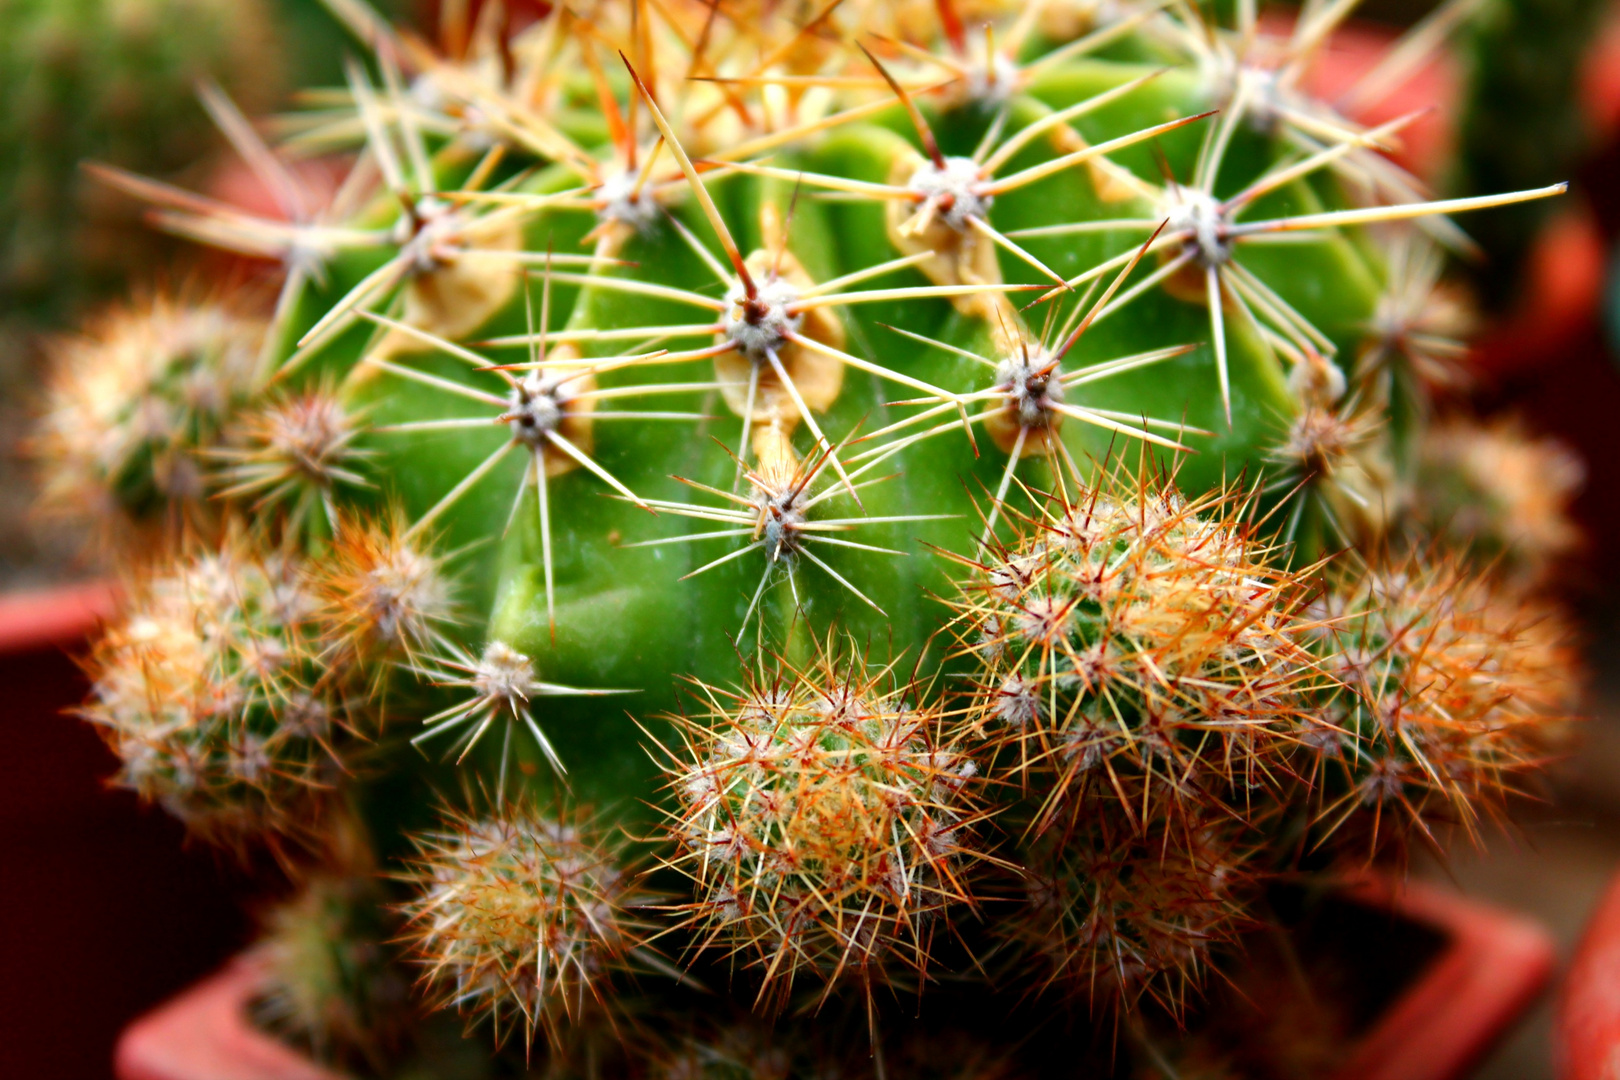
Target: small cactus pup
(210, 688)
(1450, 688)
(1502, 494)
(1141, 677)
(825, 819)
(133, 405)
(1138, 646)
(523, 916)
(1113, 913)
(790, 519)
(332, 983)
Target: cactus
(113, 81)
(331, 985)
(135, 402)
(822, 819)
(1447, 682)
(210, 688)
(1496, 490)
(780, 512)
(522, 915)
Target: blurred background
(104, 912)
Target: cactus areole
(774, 510)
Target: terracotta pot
(1558, 303)
(1586, 1039)
(108, 910)
(60, 616)
(1491, 969)
(205, 1034)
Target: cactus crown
(1045, 366)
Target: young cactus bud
(132, 406)
(521, 917)
(295, 453)
(1114, 912)
(1498, 492)
(733, 1052)
(209, 690)
(823, 819)
(1336, 454)
(1133, 644)
(329, 982)
(1417, 346)
(1452, 691)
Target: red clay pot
(1493, 968)
(60, 616)
(205, 1034)
(107, 910)
(1586, 1040)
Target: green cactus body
(618, 611)
(603, 384)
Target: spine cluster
(825, 819)
(211, 690)
(522, 917)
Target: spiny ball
(384, 592)
(1114, 911)
(1501, 493)
(134, 404)
(328, 981)
(208, 689)
(823, 817)
(1133, 641)
(520, 916)
(1450, 688)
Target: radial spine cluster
(825, 820)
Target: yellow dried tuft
(384, 595)
(823, 818)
